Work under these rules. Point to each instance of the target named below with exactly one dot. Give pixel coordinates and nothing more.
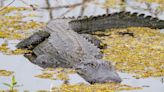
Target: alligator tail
(115, 20)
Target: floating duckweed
(63, 76)
(12, 26)
(60, 73)
(5, 73)
(46, 76)
(135, 50)
(107, 87)
(20, 51)
(6, 50)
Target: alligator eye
(93, 65)
(43, 62)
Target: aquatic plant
(12, 85)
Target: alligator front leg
(34, 40)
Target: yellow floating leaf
(5, 73)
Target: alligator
(64, 43)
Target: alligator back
(73, 43)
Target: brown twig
(64, 6)
(83, 7)
(1, 3)
(107, 11)
(50, 11)
(30, 5)
(67, 11)
(7, 5)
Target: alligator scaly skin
(115, 20)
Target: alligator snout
(108, 76)
(98, 71)
(116, 78)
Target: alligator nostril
(43, 62)
(118, 80)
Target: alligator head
(98, 71)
